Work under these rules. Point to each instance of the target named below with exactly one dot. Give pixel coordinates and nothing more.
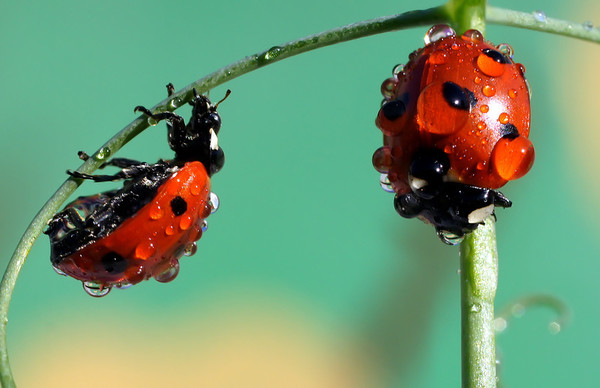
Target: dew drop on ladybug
(459, 96)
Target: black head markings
(114, 263)
(457, 97)
(178, 205)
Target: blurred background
(306, 276)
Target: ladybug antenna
(227, 93)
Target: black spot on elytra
(457, 97)
(509, 131)
(472, 98)
(178, 205)
(114, 263)
(393, 110)
(496, 55)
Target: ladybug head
(198, 139)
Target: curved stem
(542, 23)
(245, 65)
(478, 281)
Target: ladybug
(120, 237)
(455, 122)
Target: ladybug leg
(117, 162)
(175, 123)
(130, 172)
(170, 89)
(121, 163)
(158, 116)
(63, 220)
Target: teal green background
(306, 276)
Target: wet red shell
(154, 239)
(475, 139)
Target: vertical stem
(478, 281)
(478, 258)
(467, 14)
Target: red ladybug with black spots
(121, 237)
(455, 122)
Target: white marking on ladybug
(478, 215)
(214, 141)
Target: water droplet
(449, 238)
(506, 49)
(475, 308)
(480, 166)
(439, 58)
(103, 153)
(503, 118)
(518, 310)
(170, 230)
(385, 183)
(477, 80)
(96, 290)
(214, 202)
(484, 108)
(195, 189)
(500, 325)
(145, 249)
(204, 226)
(588, 25)
(489, 91)
(438, 32)
(540, 16)
(190, 249)
(554, 327)
(58, 271)
(399, 68)
(185, 222)
(168, 275)
(512, 93)
(382, 159)
(273, 52)
(473, 36)
(123, 286)
(156, 212)
(152, 122)
(175, 103)
(388, 87)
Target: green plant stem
(245, 65)
(467, 14)
(478, 283)
(528, 20)
(478, 258)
